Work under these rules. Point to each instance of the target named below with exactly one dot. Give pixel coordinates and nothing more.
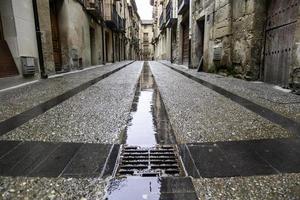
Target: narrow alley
(149, 99)
(123, 133)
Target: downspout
(39, 40)
(190, 31)
(113, 46)
(103, 45)
(171, 49)
(124, 39)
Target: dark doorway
(173, 43)
(185, 43)
(280, 31)
(55, 35)
(200, 43)
(1, 30)
(106, 46)
(92, 46)
(7, 63)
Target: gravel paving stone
(284, 186)
(264, 94)
(198, 114)
(95, 115)
(16, 101)
(51, 189)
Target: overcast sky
(144, 9)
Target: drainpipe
(39, 40)
(190, 31)
(103, 45)
(113, 46)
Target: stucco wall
(19, 29)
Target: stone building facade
(146, 38)
(63, 35)
(252, 40)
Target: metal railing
(162, 20)
(169, 10)
(115, 16)
(183, 5)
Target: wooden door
(7, 63)
(280, 30)
(185, 44)
(1, 30)
(174, 44)
(55, 36)
(200, 39)
(93, 46)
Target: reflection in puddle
(149, 124)
(134, 188)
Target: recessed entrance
(55, 35)
(92, 45)
(200, 43)
(185, 42)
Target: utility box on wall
(217, 53)
(29, 65)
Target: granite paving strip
(95, 115)
(44, 159)
(264, 94)
(51, 188)
(242, 158)
(283, 186)
(199, 114)
(18, 100)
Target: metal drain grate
(154, 161)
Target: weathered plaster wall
(235, 26)
(19, 29)
(45, 26)
(74, 33)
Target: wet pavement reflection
(154, 188)
(149, 124)
(134, 188)
(148, 127)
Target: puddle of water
(149, 124)
(134, 188)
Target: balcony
(162, 21)
(111, 16)
(93, 7)
(171, 14)
(183, 5)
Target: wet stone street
(148, 130)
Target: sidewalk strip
(285, 122)
(18, 120)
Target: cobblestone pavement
(205, 123)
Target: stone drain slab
(160, 160)
(44, 159)
(241, 158)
